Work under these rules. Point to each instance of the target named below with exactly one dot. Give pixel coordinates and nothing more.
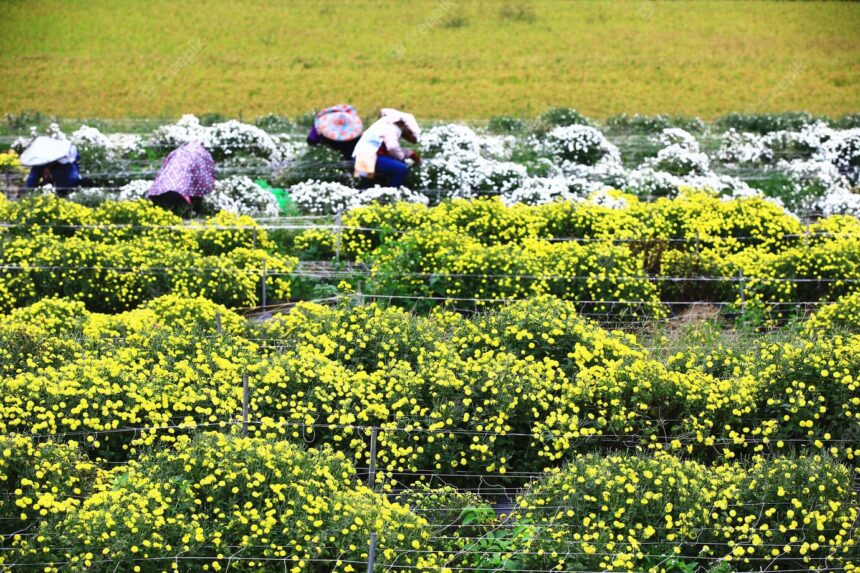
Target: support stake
(218, 328)
(371, 553)
(246, 399)
(359, 297)
(263, 287)
(338, 221)
(371, 474)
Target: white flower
(135, 189)
(55, 131)
(680, 161)
(843, 150)
(450, 139)
(240, 195)
(234, 137)
(455, 166)
(326, 197)
(497, 146)
(680, 137)
(743, 148)
(839, 201)
(187, 129)
(646, 182)
(813, 181)
(23, 142)
(540, 190)
(322, 197)
(724, 185)
(112, 147)
(126, 144)
(224, 140)
(610, 198)
(609, 172)
(579, 144)
(87, 136)
(388, 196)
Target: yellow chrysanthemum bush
(365, 228)
(121, 254)
(226, 232)
(493, 377)
(533, 372)
(487, 220)
(747, 253)
(733, 225)
(7, 299)
(216, 502)
(40, 336)
(39, 480)
(810, 394)
(603, 278)
(490, 401)
(475, 401)
(108, 398)
(156, 371)
(195, 314)
(632, 512)
(119, 221)
(44, 214)
(363, 337)
(844, 314)
(115, 277)
(10, 162)
(819, 270)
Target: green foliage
(20, 123)
(506, 124)
(849, 121)
(562, 116)
(651, 124)
(319, 163)
(274, 123)
(762, 123)
(210, 119)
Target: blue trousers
(391, 171)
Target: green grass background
(440, 58)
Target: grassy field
(440, 59)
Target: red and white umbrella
(339, 123)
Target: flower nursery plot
(569, 345)
(809, 164)
(124, 444)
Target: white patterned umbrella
(46, 150)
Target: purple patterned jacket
(188, 170)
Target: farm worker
(187, 174)
(52, 161)
(337, 127)
(378, 152)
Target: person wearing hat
(378, 154)
(52, 161)
(337, 127)
(187, 174)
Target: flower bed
(120, 254)
(805, 164)
(635, 455)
